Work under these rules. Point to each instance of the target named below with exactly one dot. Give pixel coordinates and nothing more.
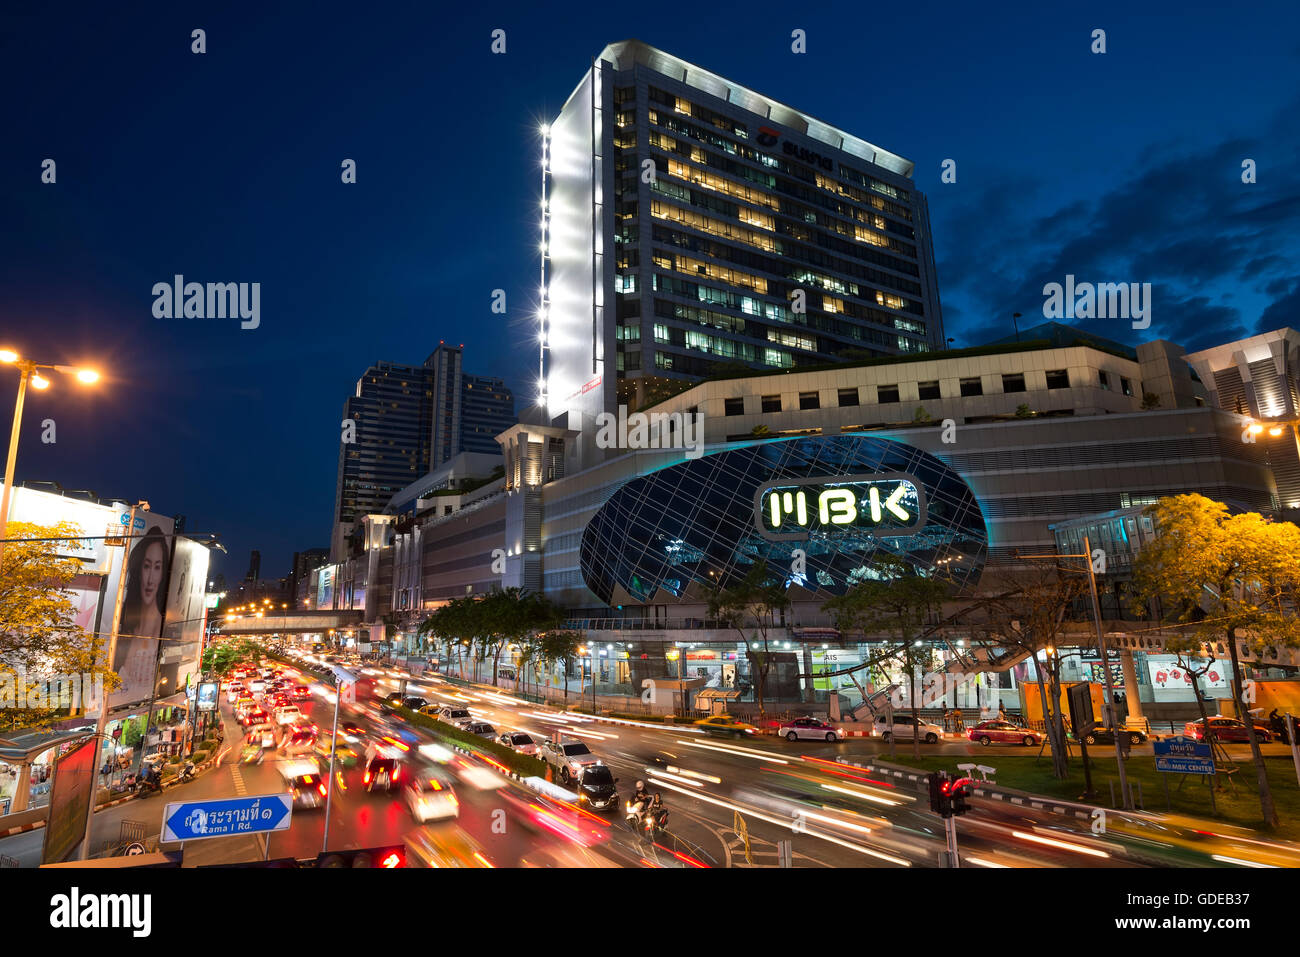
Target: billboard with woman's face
(144, 604)
(183, 627)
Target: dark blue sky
(225, 167)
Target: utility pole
(102, 721)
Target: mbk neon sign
(885, 504)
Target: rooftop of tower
(627, 53)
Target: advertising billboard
(1170, 674)
(148, 560)
(74, 779)
(183, 625)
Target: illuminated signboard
(888, 504)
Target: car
(233, 691)
(414, 702)
(351, 732)
(344, 754)
(303, 780)
(519, 741)
(567, 757)
(383, 767)
(263, 735)
(812, 728)
(254, 715)
(301, 693)
(430, 799)
(244, 703)
(1225, 729)
(906, 728)
(394, 698)
(1101, 735)
(725, 724)
(287, 714)
(300, 740)
(1003, 732)
(595, 785)
(482, 729)
(277, 701)
(443, 847)
(256, 686)
(308, 791)
(456, 715)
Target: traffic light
(940, 795)
(388, 857)
(959, 791)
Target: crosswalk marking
(239, 780)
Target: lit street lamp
(27, 372)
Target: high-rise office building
(409, 420)
(469, 411)
(691, 224)
(390, 416)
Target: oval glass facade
(841, 499)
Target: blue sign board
(1181, 755)
(226, 817)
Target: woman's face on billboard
(151, 572)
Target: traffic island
(1029, 782)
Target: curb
(1008, 796)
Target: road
(731, 802)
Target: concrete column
(1131, 696)
(22, 788)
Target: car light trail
(981, 862)
(1062, 845)
(789, 825)
(739, 752)
(674, 777)
(695, 774)
(1224, 859)
(854, 792)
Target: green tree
(920, 416)
(898, 601)
(1226, 578)
(555, 647)
(750, 606)
(1023, 411)
(39, 635)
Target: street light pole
(27, 372)
(24, 374)
(1109, 703)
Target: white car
(430, 799)
(519, 741)
(905, 728)
(233, 691)
(287, 714)
(568, 757)
(457, 715)
(814, 729)
(256, 686)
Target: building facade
(693, 225)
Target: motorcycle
(186, 773)
(648, 817)
(147, 785)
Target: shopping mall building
(742, 360)
(957, 462)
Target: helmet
(640, 785)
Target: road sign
(134, 850)
(1183, 755)
(226, 817)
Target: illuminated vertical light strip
(544, 309)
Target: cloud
(1219, 253)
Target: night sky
(225, 167)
